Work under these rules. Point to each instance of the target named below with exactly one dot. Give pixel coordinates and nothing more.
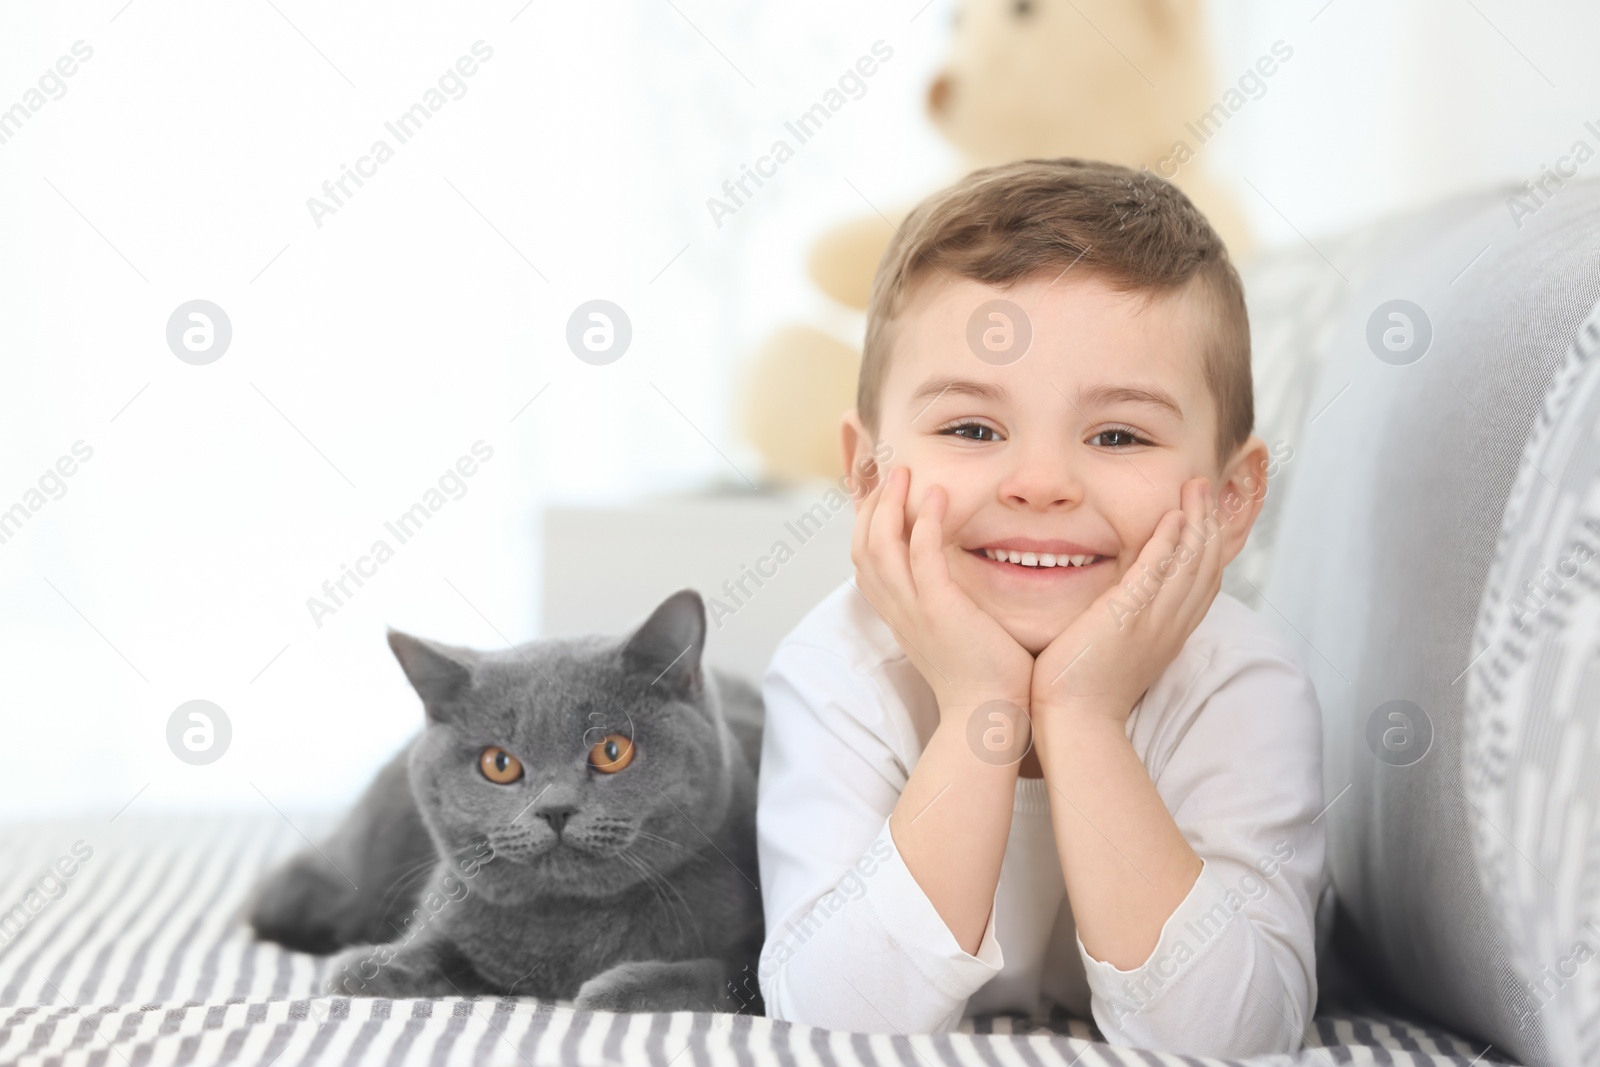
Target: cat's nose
(556, 817)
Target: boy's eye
(972, 431)
(1126, 437)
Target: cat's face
(589, 765)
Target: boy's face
(1042, 455)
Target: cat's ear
(667, 647)
(439, 673)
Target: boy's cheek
(958, 507)
(954, 513)
(914, 498)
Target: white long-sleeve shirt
(1230, 733)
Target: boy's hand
(965, 655)
(1111, 654)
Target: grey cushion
(1296, 301)
(1400, 478)
(1300, 297)
(1533, 714)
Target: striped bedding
(121, 943)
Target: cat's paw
(648, 986)
(381, 971)
(627, 987)
(358, 972)
(302, 906)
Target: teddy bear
(1121, 80)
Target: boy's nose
(1042, 478)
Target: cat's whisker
(657, 884)
(651, 879)
(410, 875)
(405, 880)
(695, 854)
(670, 888)
(648, 881)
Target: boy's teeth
(1037, 559)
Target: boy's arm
(1175, 956)
(854, 939)
(1125, 862)
(951, 826)
(1216, 960)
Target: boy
(1031, 755)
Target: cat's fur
(633, 891)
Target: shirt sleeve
(852, 942)
(1234, 972)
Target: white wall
(1390, 105)
(369, 353)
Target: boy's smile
(1059, 465)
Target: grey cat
(576, 821)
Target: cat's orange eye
(612, 754)
(499, 766)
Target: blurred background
(421, 337)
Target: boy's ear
(1241, 495)
(860, 457)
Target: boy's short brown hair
(1130, 228)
